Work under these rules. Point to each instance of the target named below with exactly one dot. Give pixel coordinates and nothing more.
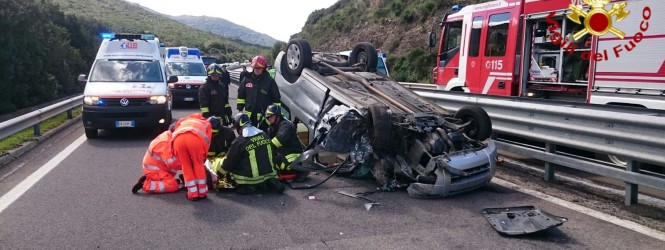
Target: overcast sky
(278, 18)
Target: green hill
(126, 17)
(397, 26)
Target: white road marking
(559, 175)
(26, 184)
(585, 210)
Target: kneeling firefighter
(284, 137)
(250, 159)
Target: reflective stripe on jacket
(196, 124)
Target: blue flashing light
(107, 35)
(101, 102)
(147, 37)
(457, 7)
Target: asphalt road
(85, 202)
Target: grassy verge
(27, 134)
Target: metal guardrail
(636, 134)
(34, 118)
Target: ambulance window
(474, 43)
(185, 69)
(497, 35)
(126, 71)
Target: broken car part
(521, 220)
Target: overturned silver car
(360, 121)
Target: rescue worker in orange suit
(214, 96)
(256, 92)
(284, 137)
(250, 160)
(160, 166)
(222, 137)
(191, 141)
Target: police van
(186, 63)
(127, 85)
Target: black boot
(139, 184)
(275, 185)
(245, 189)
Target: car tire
(365, 53)
(333, 60)
(380, 128)
(298, 56)
(481, 124)
(91, 133)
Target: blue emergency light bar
(127, 36)
(457, 7)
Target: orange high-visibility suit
(191, 141)
(160, 166)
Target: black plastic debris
(521, 220)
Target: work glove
(240, 107)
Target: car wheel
(91, 133)
(298, 56)
(380, 131)
(333, 60)
(481, 125)
(365, 53)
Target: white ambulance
(127, 86)
(186, 63)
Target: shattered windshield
(126, 71)
(185, 69)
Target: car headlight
(158, 99)
(171, 85)
(91, 100)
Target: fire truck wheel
(298, 56)
(333, 60)
(480, 127)
(380, 133)
(365, 53)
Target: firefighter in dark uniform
(222, 137)
(250, 159)
(214, 96)
(256, 92)
(225, 78)
(284, 137)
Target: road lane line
(584, 210)
(26, 184)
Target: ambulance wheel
(380, 133)
(91, 133)
(365, 54)
(298, 56)
(480, 127)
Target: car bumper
(106, 117)
(185, 95)
(473, 170)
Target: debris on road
(369, 203)
(521, 220)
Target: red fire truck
(596, 51)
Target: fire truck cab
(548, 49)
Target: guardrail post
(38, 131)
(70, 115)
(631, 189)
(549, 167)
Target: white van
(127, 86)
(186, 63)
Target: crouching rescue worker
(250, 159)
(284, 137)
(214, 96)
(191, 141)
(222, 137)
(256, 92)
(159, 167)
